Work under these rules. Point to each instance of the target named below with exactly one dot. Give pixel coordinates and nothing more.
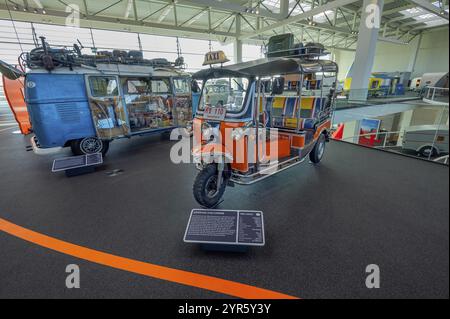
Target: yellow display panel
(307, 103)
(290, 123)
(279, 102)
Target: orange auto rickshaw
(273, 113)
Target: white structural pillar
(238, 43)
(365, 50)
(413, 59)
(284, 8)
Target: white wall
(433, 53)
(389, 57)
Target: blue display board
(225, 227)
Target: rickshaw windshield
(229, 93)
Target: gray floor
(324, 224)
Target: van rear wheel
(89, 145)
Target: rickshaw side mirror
(267, 86)
(278, 86)
(195, 88)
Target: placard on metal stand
(77, 165)
(225, 230)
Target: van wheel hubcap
(91, 145)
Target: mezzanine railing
(436, 95)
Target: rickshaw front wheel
(318, 151)
(206, 191)
(89, 145)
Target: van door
(105, 102)
(182, 101)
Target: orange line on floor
(150, 270)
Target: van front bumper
(43, 151)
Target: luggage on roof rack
(50, 58)
(284, 46)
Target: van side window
(182, 86)
(103, 86)
(138, 87)
(161, 86)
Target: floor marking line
(8, 128)
(187, 278)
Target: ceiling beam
(230, 7)
(128, 9)
(430, 8)
(165, 13)
(105, 23)
(195, 17)
(298, 18)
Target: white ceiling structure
(332, 22)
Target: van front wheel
(89, 145)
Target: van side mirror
(278, 86)
(195, 88)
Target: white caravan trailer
(426, 140)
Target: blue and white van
(85, 102)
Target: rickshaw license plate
(215, 113)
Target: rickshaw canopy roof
(269, 67)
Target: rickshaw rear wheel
(318, 151)
(206, 191)
(89, 145)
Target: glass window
(225, 92)
(161, 86)
(103, 86)
(182, 86)
(138, 87)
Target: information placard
(68, 163)
(225, 227)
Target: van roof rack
(50, 58)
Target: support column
(237, 42)
(284, 8)
(365, 50)
(413, 60)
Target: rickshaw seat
(310, 107)
(291, 124)
(309, 124)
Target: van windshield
(229, 93)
